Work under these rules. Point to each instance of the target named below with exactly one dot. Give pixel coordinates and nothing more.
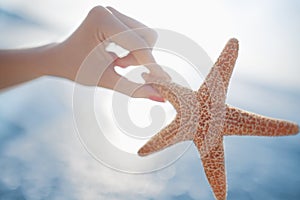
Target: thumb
(148, 92)
(126, 61)
(137, 90)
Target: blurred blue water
(8, 18)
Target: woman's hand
(101, 26)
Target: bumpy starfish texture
(203, 116)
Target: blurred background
(42, 158)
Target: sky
(42, 157)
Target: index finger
(114, 30)
(148, 34)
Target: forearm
(18, 66)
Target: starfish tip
(233, 40)
(297, 129)
(143, 152)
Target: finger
(148, 34)
(146, 91)
(114, 81)
(116, 31)
(129, 40)
(130, 60)
(159, 74)
(156, 71)
(145, 32)
(123, 62)
(137, 90)
(149, 78)
(126, 61)
(113, 56)
(146, 77)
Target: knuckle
(99, 12)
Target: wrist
(50, 60)
(64, 59)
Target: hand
(103, 25)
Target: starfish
(204, 117)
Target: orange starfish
(203, 116)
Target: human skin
(64, 59)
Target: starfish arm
(162, 140)
(183, 126)
(239, 122)
(221, 71)
(174, 93)
(214, 166)
(168, 90)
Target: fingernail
(156, 98)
